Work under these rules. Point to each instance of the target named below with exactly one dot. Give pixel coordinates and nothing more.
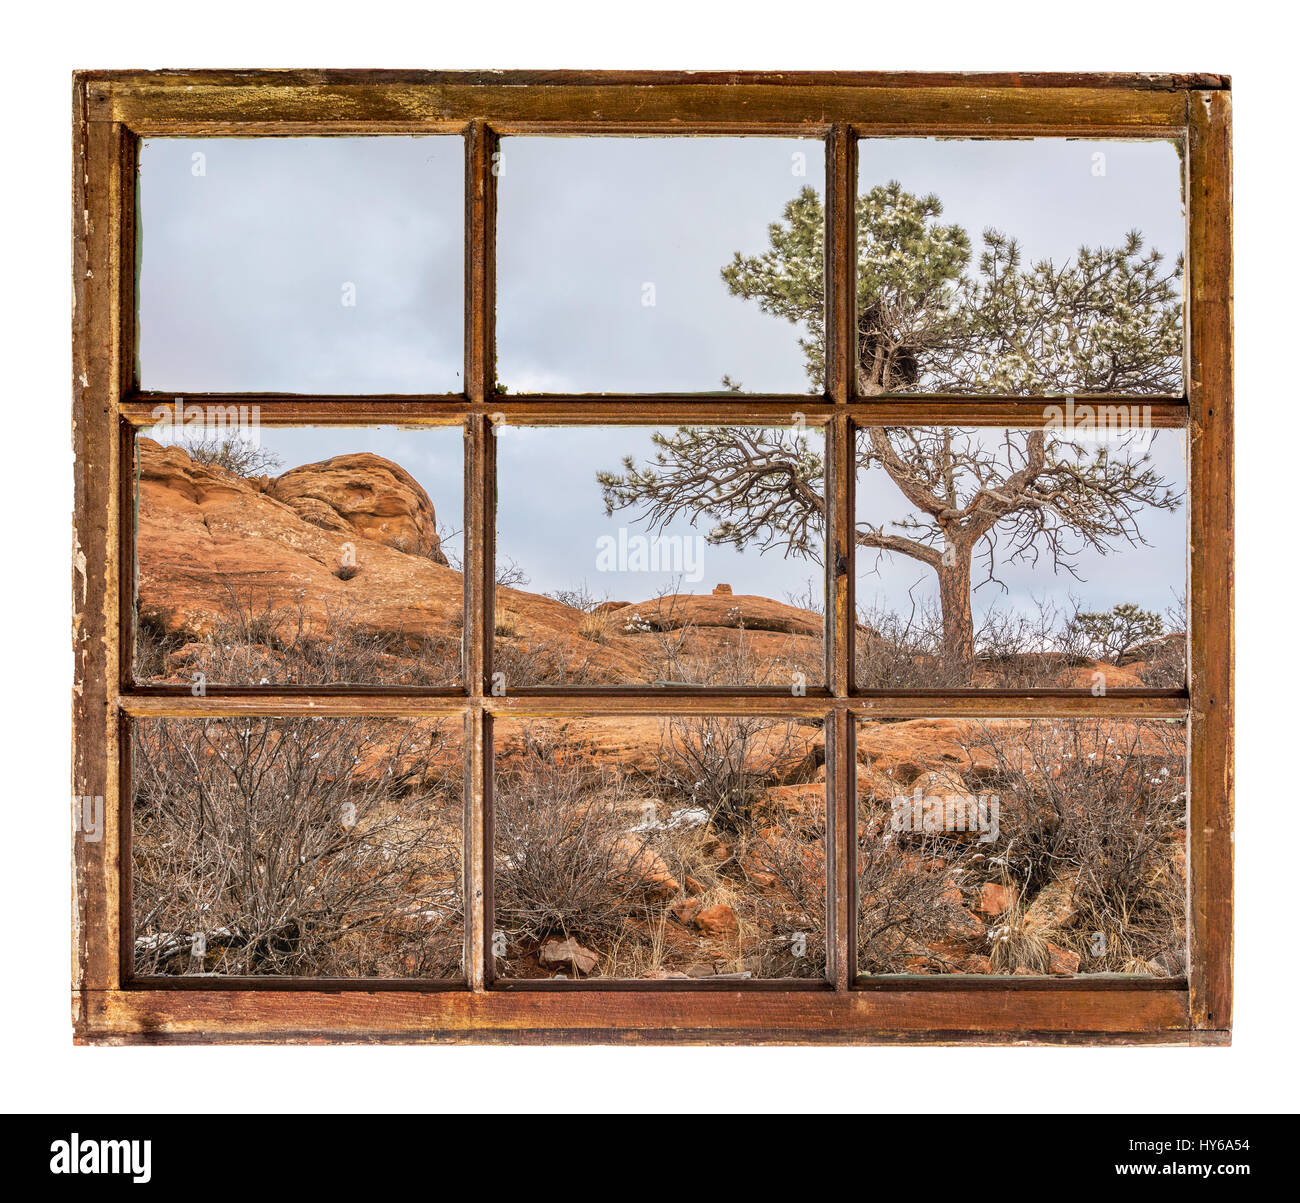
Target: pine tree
(1107, 321)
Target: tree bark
(958, 624)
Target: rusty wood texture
(660, 1016)
(480, 538)
(605, 409)
(113, 109)
(841, 356)
(102, 171)
(840, 271)
(1210, 592)
(841, 613)
(540, 703)
(342, 102)
(841, 827)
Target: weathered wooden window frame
(112, 111)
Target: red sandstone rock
(366, 495)
(718, 921)
(568, 954)
(994, 898)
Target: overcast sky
(608, 259)
(246, 254)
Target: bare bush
(785, 859)
(907, 896)
(567, 863)
(579, 598)
(303, 847)
(235, 454)
(1096, 811)
(1039, 649)
(722, 764)
(526, 660)
(1165, 660)
(622, 861)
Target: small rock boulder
(994, 899)
(568, 954)
(639, 865)
(1054, 906)
(1062, 961)
(718, 921)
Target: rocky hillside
(347, 549)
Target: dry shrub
(266, 846)
(604, 855)
(234, 453)
(786, 906)
(723, 764)
(1040, 649)
(1164, 661)
(1101, 806)
(528, 660)
(566, 861)
(907, 892)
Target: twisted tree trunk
(958, 623)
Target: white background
(42, 1069)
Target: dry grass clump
(599, 628)
(1014, 944)
(254, 641)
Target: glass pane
(305, 265)
(305, 847)
(1028, 266)
(1023, 559)
(660, 848)
(697, 561)
(645, 265)
(1046, 846)
(298, 556)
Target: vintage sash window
(897, 704)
